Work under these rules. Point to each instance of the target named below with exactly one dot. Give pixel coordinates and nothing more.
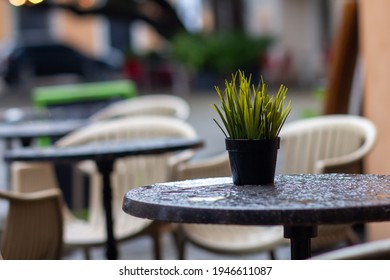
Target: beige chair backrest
(36, 176)
(153, 104)
(326, 144)
(34, 226)
(131, 171)
(128, 173)
(128, 128)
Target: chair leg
(157, 247)
(180, 242)
(87, 253)
(155, 233)
(182, 251)
(272, 254)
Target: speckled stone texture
(293, 200)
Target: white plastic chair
(128, 172)
(323, 144)
(153, 104)
(327, 144)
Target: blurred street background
(178, 47)
(183, 48)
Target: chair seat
(235, 239)
(81, 233)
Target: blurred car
(25, 62)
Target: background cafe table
(298, 202)
(104, 156)
(25, 131)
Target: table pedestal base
(105, 168)
(300, 237)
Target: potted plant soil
(252, 120)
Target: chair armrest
(333, 164)
(217, 166)
(342, 164)
(31, 196)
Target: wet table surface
(106, 151)
(295, 201)
(28, 130)
(104, 154)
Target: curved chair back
(153, 104)
(129, 172)
(326, 144)
(128, 128)
(34, 226)
(132, 171)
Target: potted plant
(252, 119)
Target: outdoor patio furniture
(128, 172)
(299, 202)
(373, 250)
(34, 226)
(223, 239)
(324, 144)
(151, 104)
(327, 144)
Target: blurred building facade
(303, 30)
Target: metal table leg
(105, 169)
(300, 237)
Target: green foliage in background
(249, 112)
(222, 52)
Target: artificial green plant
(249, 112)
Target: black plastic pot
(253, 162)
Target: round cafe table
(104, 156)
(26, 131)
(298, 202)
